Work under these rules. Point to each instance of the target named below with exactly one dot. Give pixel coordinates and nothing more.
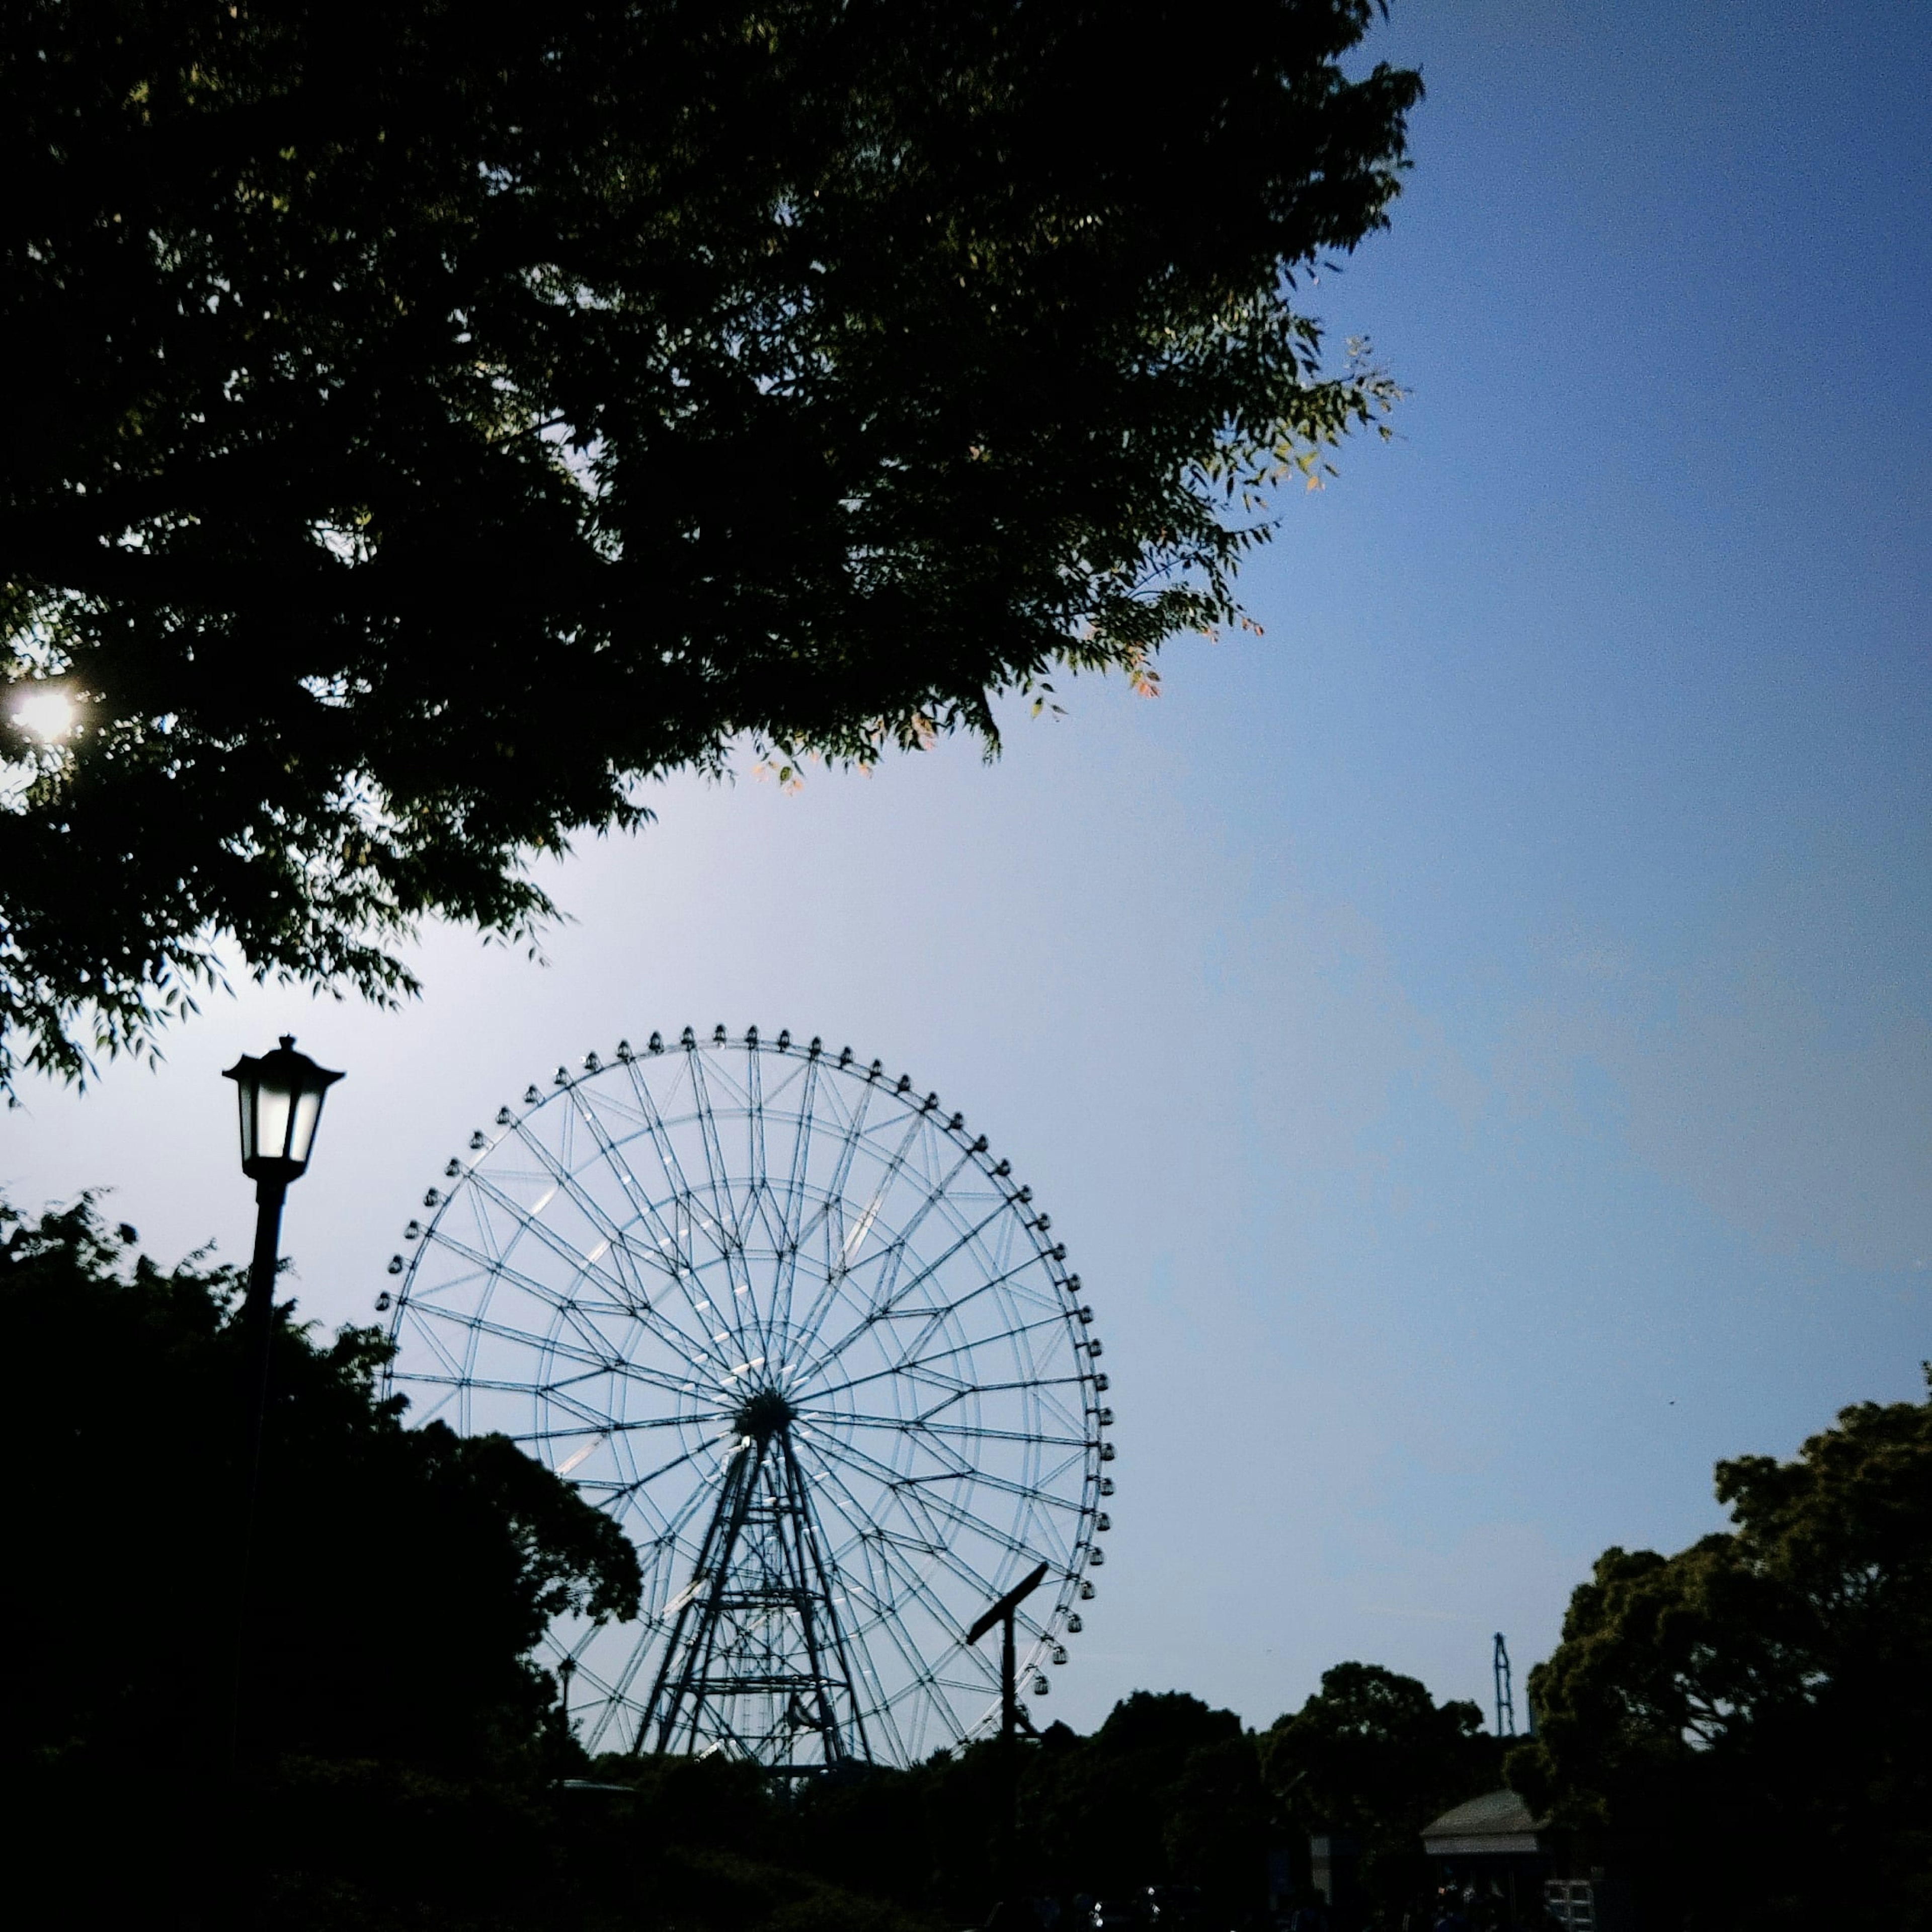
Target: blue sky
(1475, 1039)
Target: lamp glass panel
(272, 1121)
(301, 1130)
(244, 1093)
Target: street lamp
(281, 1095)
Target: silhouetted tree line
(1746, 1726)
(1741, 1725)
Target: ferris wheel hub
(764, 1414)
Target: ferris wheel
(798, 1331)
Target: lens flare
(48, 716)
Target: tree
(400, 1577)
(444, 419)
(1750, 1715)
(1373, 1756)
(1121, 1810)
(1167, 1790)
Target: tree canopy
(400, 1577)
(1372, 1755)
(443, 419)
(1749, 1715)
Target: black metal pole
(1009, 1765)
(1009, 1698)
(258, 1328)
(1003, 1613)
(258, 1318)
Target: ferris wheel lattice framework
(802, 1336)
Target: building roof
(1498, 1822)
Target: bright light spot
(46, 715)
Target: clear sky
(1476, 1039)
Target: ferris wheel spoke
(878, 1312)
(882, 1710)
(918, 1366)
(933, 1542)
(841, 1242)
(427, 1321)
(755, 1123)
(718, 1183)
(935, 1319)
(930, 1322)
(896, 1249)
(671, 1526)
(848, 1145)
(494, 1385)
(1038, 1494)
(895, 1166)
(1034, 1496)
(854, 1633)
(620, 1697)
(767, 1214)
(900, 1425)
(602, 1426)
(529, 1221)
(659, 1136)
(567, 1306)
(639, 1484)
(875, 1546)
(872, 1541)
(1040, 1390)
(625, 1252)
(628, 1185)
(927, 1681)
(903, 1495)
(565, 1181)
(604, 1360)
(791, 1214)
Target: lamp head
(280, 1095)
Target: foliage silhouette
(1371, 1755)
(1168, 1790)
(445, 419)
(400, 1577)
(1748, 1716)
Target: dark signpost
(1002, 1613)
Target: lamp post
(281, 1095)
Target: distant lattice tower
(1505, 1697)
